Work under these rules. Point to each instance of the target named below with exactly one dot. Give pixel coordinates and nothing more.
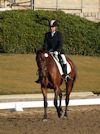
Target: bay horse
(50, 77)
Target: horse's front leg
(66, 104)
(69, 86)
(44, 91)
(60, 100)
(56, 102)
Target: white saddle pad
(60, 68)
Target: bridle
(43, 67)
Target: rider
(53, 42)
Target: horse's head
(42, 58)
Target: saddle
(59, 62)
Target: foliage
(22, 30)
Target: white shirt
(52, 34)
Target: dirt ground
(81, 120)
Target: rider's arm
(59, 44)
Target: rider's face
(53, 29)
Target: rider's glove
(55, 52)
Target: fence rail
(19, 106)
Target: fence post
(0, 3)
(81, 6)
(56, 4)
(32, 4)
(99, 5)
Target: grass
(18, 74)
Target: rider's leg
(65, 67)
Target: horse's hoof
(59, 115)
(45, 120)
(60, 109)
(65, 117)
(62, 115)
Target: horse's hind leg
(56, 101)
(44, 91)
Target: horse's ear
(35, 50)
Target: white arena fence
(20, 105)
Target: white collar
(52, 33)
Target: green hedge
(22, 30)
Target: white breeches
(62, 56)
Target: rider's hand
(55, 52)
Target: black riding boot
(38, 80)
(65, 69)
(66, 76)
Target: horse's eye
(40, 59)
